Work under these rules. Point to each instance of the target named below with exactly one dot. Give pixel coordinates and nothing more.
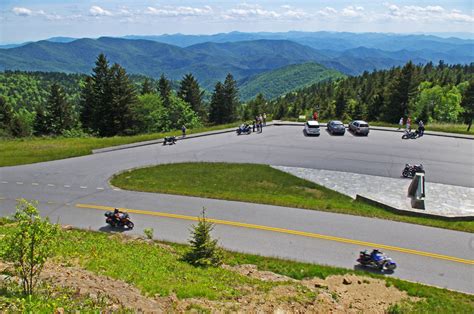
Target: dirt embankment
(335, 294)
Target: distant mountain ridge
(245, 55)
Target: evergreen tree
(204, 250)
(164, 87)
(467, 104)
(231, 99)
(123, 98)
(6, 115)
(216, 107)
(341, 104)
(59, 113)
(257, 106)
(88, 103)
(399, 94)
(190, 92)
(42, 123)
(147, 87)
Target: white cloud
(169, 11)
(352, 11)
(98, 11)
(425, 14)
(327, 12)
(22, 11)
(250, 11)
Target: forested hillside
(280, 81)
(440, 93)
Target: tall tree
(341, 104)
(467, 104)
(231, 99)
(147, 87)
(216, 107)
(190, 92)
(88, 103)
(164, 87)
(123, 98)
(59, 111)
(399, 94)
(6, 115)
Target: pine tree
(231, 99)
(204, 250)
(164, 87)
(217, 104)
(6, 115)
(123, 98)
(147, 87)
(190, 92)
(88, 102)
(467, 103)
(341, 104)
(59, 113)
(42, 124)
(399, 94)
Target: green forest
(110, 102)
(441, 93)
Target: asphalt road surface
(74, 191)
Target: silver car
(311, 128)
(359, 127)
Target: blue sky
(26, 20)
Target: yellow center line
(286, 231)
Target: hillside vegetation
(432, 93)
(280, 81)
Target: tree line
(109, 102)
(442, 93)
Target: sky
(31, 20)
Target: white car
(311, 128)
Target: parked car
(336, 127)
(311, 128)
(359, 127)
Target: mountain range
(245, 55)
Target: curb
(451, 135)
(161, 140)
(411, 213)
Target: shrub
(204, 250)
(148, 233)
(30, 245)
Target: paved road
(61, 185)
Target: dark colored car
(336, 127)
(359, 127)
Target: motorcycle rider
(117, 214)
(376, 256)
(421, 128)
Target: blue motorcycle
(376, 260)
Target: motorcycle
(378, 261)
(410, 170)
(410, 135)
(169, 140)
(244, 129)
(122, 221)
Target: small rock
(67, 227)
(320, 285)
(346, 281)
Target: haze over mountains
(245, 55)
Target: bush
(204, 251)
(30, 245)
(148, 233)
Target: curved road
(75, 190)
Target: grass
(157, 268)
(46, 300)
(259, 184)
(457, 128)
(38, 149)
